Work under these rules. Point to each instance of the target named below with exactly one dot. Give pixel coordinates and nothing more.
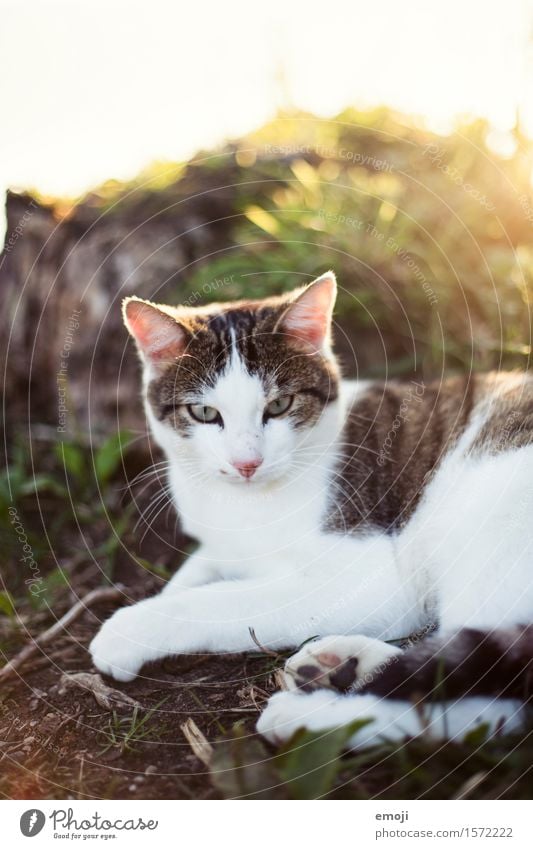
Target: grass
(126, 732)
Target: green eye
(206, 415)
(279, 406)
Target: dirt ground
(191, 736)
(58, 742)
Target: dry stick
(201, 747)
(106, 594)
(106, 697)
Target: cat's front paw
(120, 648)
(343, 663)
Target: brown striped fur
(397, 433)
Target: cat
(339, 516)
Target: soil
(55, 739)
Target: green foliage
(429, 237)
(73, 458)
(305, 768)
(310, 762)
(316, 765)
(71, 489)
(109, 456)
(106, 459)
(6, 604)
(19, 479)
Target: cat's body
(324, 506)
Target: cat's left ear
(307, 320)
(160, 338)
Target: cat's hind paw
(287, 713)
(342, 663)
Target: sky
(97, 90)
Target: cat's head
(237, 390)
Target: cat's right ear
(159, 337)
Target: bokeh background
(205, 152)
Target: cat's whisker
(146, 515)
(156, 468)
(148, 481)
(167, 502)
(337, 457)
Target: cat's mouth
(239, 479)
(265, 476)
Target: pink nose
(247, 468)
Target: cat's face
(236, 390)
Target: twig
(107, 697)
(280, 682)
(95, 596)
(201, 747)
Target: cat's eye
(206, 415)
(278, 407)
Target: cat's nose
(247, 468)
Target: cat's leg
(338, 662)
(389, 719)
(196, 571)
(282, 611)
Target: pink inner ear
(309, 317)
(157, 334)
